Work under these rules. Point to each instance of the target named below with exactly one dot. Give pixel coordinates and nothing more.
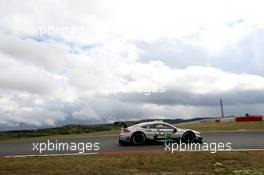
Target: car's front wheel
(189, 137)
(138, 138)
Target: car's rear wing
(122, 124)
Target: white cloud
(15, 75)
(49, 55)
(12, 113)
(196, 51)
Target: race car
(156, 131)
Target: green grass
(228, 126)
(65, 131)
(112, 132)
(235, 163)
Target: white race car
(156, 131)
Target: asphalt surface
(109, 144)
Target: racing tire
(189, 137)
(138, 138)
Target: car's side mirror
(174, 130)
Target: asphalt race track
(241, 140)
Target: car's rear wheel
(138, 138)
(189, 137)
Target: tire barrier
(246, 118)
(249, 118)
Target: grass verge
(236, 163)
(210, 126)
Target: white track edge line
(47, 155)
(80, 154)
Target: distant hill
(170, 121)
(80, 129)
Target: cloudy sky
(97, 61)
